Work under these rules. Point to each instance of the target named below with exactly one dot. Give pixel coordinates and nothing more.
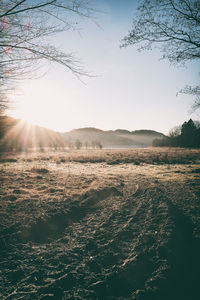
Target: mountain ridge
(118, 137)
(118, 131)
(20, 134)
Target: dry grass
(143, 155)
(108, 224)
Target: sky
(127, 89)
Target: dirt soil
(100, 225)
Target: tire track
(127, 241)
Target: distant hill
(148, 132)
(113, 138)
(89, 130)
(19, 135)
(122, 131)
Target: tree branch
(27, 8)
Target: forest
(187, 136)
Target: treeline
(187, 136)
(19, 136)
(78, 144)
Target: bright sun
(38, 103)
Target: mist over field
(99, 150)
(113, 138)
(21, 136)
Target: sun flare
(22, 136)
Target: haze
(127, 89)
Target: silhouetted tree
(86, 144)
(96, 144)
(193, 91)
(189, 136)
(175, 131)
(99, 145)
(25, 28)
(2, 126)
(78, 144)
(174, 26)
(5, 125)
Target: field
(100, 224)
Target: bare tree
(175, 131)
(78, 144)
(25, 30)
(193, 91)
(173, 26)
